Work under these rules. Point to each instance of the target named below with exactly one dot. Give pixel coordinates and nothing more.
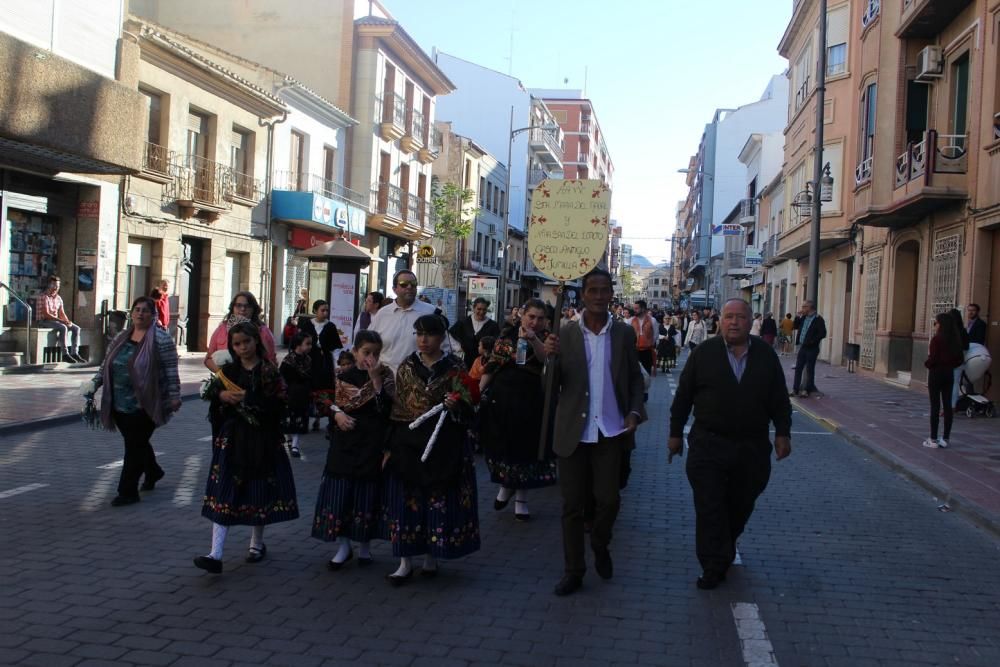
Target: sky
(656, 71)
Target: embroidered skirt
(347, 507)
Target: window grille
(945, 273)
(873, 275)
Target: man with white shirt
(394, 322)
(600, 405)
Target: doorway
(903, 318)
(189, 287)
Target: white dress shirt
(395, 325)
(603, 417)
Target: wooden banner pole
(551, 373)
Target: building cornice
(315, 105)
(794, 27)
(402, 45)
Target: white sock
(295, 441)
(430, 562)
(404, 567)
(504, 494)
(219, 533)
(365, 550)
(344, 551)
(257, 537)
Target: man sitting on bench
(52, 315)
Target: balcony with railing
(392, 118)
(203, 185)
(396, 210)
(585, 125)
(546, 146)
(927, 18)
(769, 251)
(306, 182)
(536, 176)
(413, 140)
(748, 211)
(156, 162)
(990, 168)
(863, 172)
(871, 12)
(244, 188)
(802, 94)
(432, 145)
(735, 264)
(930, 173)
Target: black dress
(296, 371)
(349, 499)
(250, 479)
(511, 419)
(324, 344)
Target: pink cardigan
(220, 341)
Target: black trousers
(646, 359)
(727, 476)
(939, 384)
(136, 429)
(591, 470)
(806, 361)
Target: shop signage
(303, 239)
(485, 287)
(425, 255)
(568, 228)
(291, 206)
(753, 257)
(88, 209)
(342, 299)
(727, 230)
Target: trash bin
(852, 353)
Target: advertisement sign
(342, 299)
(303, 239)
(568, 228)
(753, 257)
(727, 230)
(291, 206)
(486, 287)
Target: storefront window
(32, 244)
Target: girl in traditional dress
(296, 371)
(511, 414)
(325, 340)
(348, 505)
(250, 479)
(431, 508)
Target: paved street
(844, 563)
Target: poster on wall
(342, 298)
(486, 287)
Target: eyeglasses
(241, 304)
(406, 283)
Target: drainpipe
(267, 251)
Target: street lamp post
(502, 284)
(819, 194)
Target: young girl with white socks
(250, 479)
(297, 372)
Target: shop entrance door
(189, 296)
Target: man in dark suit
(975, 326)
(737, 387)
(600, 389)
(811, 331)
(469, 331)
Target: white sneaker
(942, 443)
(933, 444)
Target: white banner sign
(342, 299)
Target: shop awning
(338, 249)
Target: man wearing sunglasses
(394, 322)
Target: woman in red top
(943, 356)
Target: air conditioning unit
(493, 228)
(930, 64)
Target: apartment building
(800, 46)
(927, 177)
(70, 129)
(195, 215)
(585, 153)
(465, 163)
(497, 112)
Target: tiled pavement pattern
(52, 394)
(891, 422)
(849, 565)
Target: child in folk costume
(348, 504)
(250, 479)
(666, 346)
(296, 371)
(478, 368)
(431, 506)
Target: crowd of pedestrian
(413, 399)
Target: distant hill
(640, 262)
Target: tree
(628, 284)
(453, 212)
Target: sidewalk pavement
(891, 422)
(32, 400)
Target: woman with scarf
(348, 504)
(296, 371)
(140, 390)
(431, 507)
(243, 308)
(250, 479)
(512, 412)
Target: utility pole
(812, 291)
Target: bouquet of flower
(91, 414)
(218, 382)
(464, 389)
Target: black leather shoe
(365, 562)
(602, 563)
(428, 574)
(150, 482)
(397, 580)
(709, 580)
(568, 585)
(333, 565)
(121, 501)
(500, 504)
(255, 555)
(208, 564)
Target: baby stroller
(977, 365)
